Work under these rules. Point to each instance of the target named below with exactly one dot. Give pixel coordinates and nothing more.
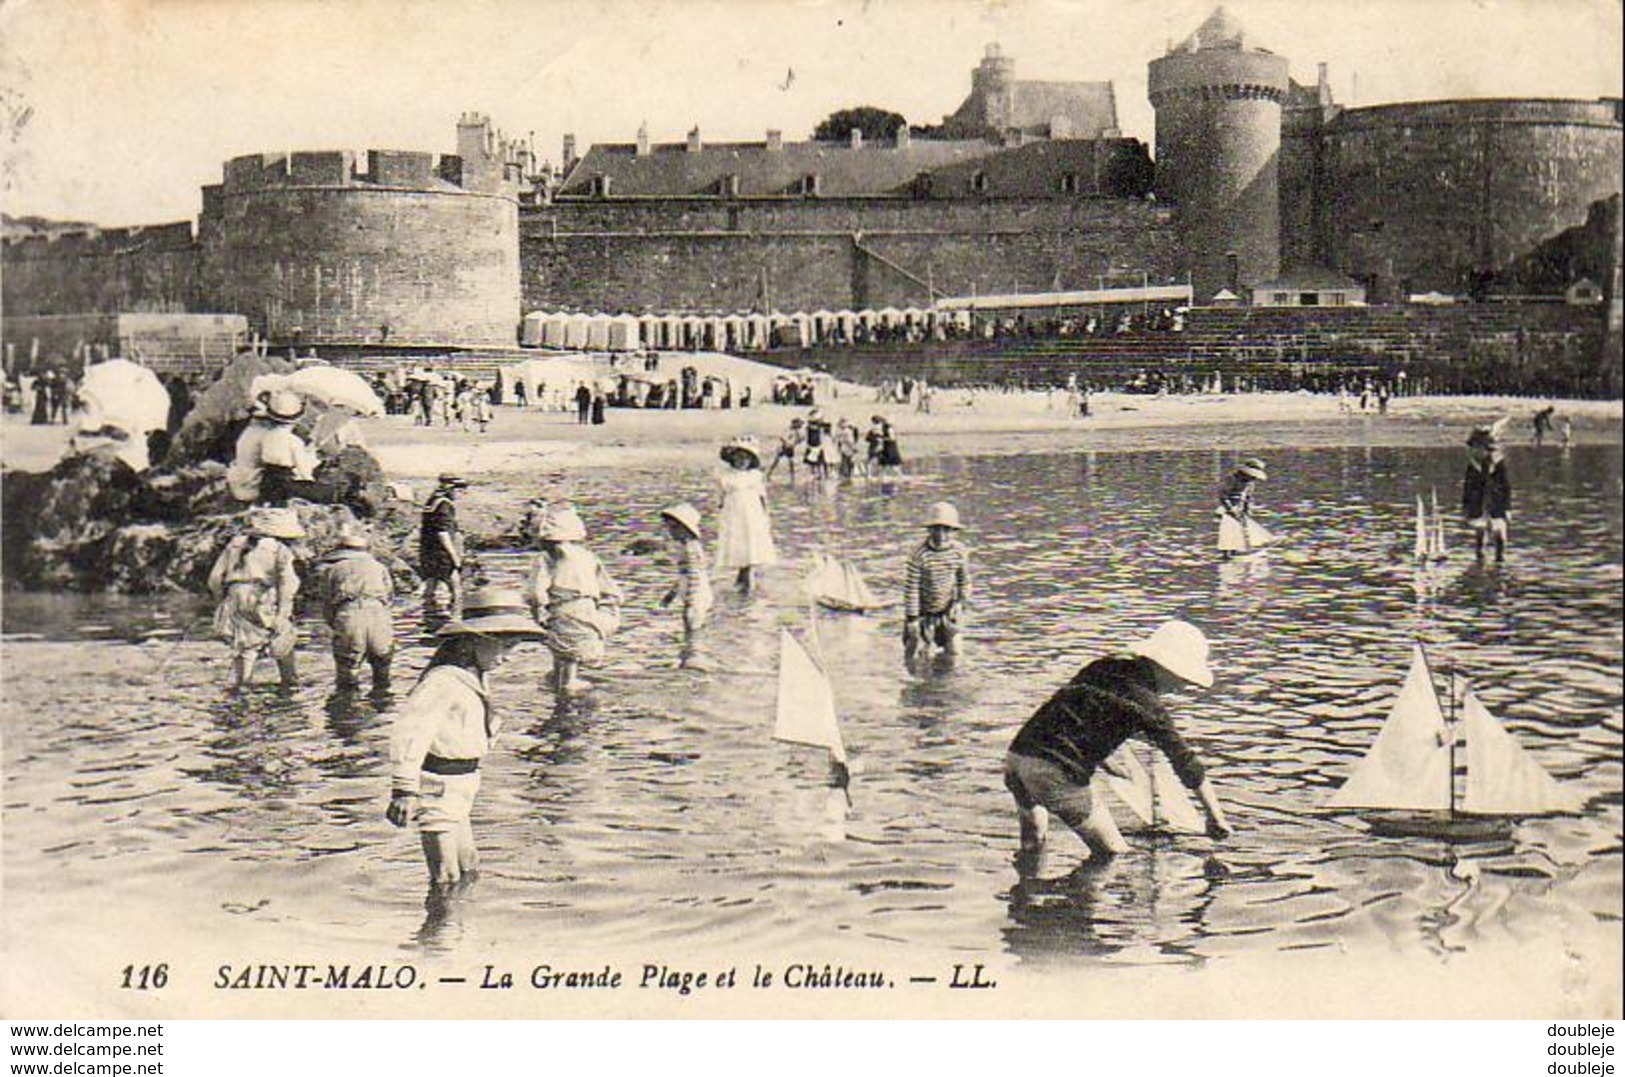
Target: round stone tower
(412, 251)
(990, 83)
(1218, 104)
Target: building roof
(1219, 30)
(1309, 279)
(671, 170)
(1089, 109)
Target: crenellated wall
(315, 252)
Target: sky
(118, 111)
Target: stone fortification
(711, 255)
(101, 270)
(1218, 104)
(409, 250)
(1449, 195)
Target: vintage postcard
(746, 508)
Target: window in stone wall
(1070, 183)
(978, 182)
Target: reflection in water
(657, 807)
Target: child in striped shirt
(935, 585)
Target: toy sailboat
(1409, 772)
(1156, 797)
(1430, 543)
(806, 707)
(838, 585)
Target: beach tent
(649, 331)
(553, 330)
(693, 333)
(733, 333)
(540, 375)
(890, 316)
(789, 333)
(530, 330)
(598, 333)
(625, 334)
(847, 322)
(868, 319)
(823, 325)
(915, 316)
(758, 331)
(576, 328)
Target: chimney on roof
(643, 139)
(855, 138)
(905, 137)
(569, 155)
(775, 141)
(694, 143)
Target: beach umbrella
(124, 394)
(326, 385)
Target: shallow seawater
(657, 809)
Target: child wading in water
(575, 601)
(445, 728)
(936, 583)
(693, 584)
(1486, 491)
(744, 532)
(1237, 531)
(256, 582)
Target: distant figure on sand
(1486, 491)
(744, 532)
(1238, 533)
(573, 598)
(693, 586)
(936, 583)
(440, 544)
(255, 581)
(356, 590)
(1052, 761)
(446, 726)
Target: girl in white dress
(744, 533)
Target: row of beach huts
(577, 331)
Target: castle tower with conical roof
(1218, 104)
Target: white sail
(1172, 801)
(839, 585)
(1408, 766)
(806, 706)
(1422, 531)
(1132, 784)
(1502, 778)
(1438, 551)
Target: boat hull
(1440, 826)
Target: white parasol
(123, 394)
(325, 384)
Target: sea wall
(807, 254)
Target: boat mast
(1450, 727)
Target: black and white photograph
(831, 509)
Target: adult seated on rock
(273, 463)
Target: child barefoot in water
(573, 598)
(445, 728)
(256, 582)
(744, 532)
(936, 582)
(693, 584)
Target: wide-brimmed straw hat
(452, 480)
(1254, 469)
(1482, 437)
(943, 514)
(353, 535)
(686, 515)
(742, 447)
(562, 524)
(494, 611)
(1180, 648)
(285, 406)
(276, 523)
